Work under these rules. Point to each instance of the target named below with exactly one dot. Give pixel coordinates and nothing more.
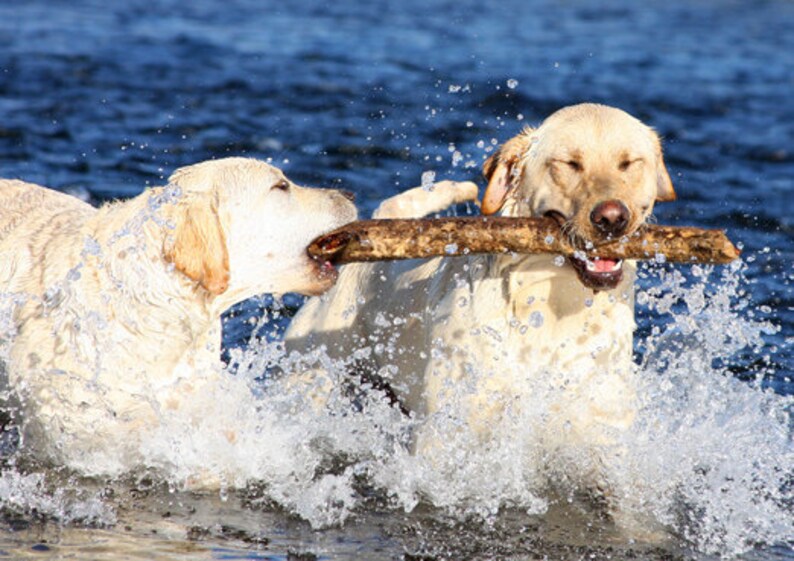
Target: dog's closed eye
(627, 163)
(572, 164)
(282, 185)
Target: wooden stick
(383, 240)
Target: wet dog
(114, 313)
(471, 339)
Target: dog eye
(575, 165)
(626, 164)
(282, 185)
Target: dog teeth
(591, 266)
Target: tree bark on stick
(384, 240)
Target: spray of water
(32, 495)
(709, 458)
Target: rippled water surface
(102, 99)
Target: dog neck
(143, 293)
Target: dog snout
(611, 218)
(349, 195)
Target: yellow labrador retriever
(469, 338)
(115, 312)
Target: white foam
(33, 493)
(709, 456)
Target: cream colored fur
(474, 337)
(115, 312)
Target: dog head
(240, 228)
(594, 169)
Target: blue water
(102, 99)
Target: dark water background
(104, 98)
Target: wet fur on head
(596, 170)
(505, 170)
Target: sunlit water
(378, 98)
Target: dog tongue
(604, 265)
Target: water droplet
(451, 248)
(512, 83)
(549, 239)
(380, 320)
(91, 246)
(493, 333)
(428, 180)
(536, 319)
(559, 260)
(660, 258)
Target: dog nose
(610, 217)
(349, 195)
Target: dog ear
(499, 171)
(199, 246)
(498, 174)
(664, 185)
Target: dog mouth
(322, 262)
(598, 273)
(321, 276)
(325, 270)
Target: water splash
(32, 494)
(709, 458)
(717, 451)
(428, 180)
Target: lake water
(101, 99)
